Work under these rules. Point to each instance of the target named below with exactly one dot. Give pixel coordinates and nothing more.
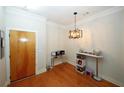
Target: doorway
(22, 54)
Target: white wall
(22, 20)
(102, 33)
(2, 61)
(55, 40)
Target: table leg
(96, 77)
(52, 62)
(97, 67)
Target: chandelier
(76, 33)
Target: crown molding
(102, 14)
(98, 15)
(22, 12)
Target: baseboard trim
(113, 81)
(40, 71)
(70, 62)
(58, 63)
(6, 83)
(103, 76)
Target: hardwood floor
(63, 75)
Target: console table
(55, 54)
(96, 77)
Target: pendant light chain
(75, 22)
(75, 13)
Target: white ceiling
(64, 14)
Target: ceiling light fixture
(76, 33)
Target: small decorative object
(96, 52)
(62, 52)
(81, 50)
(76, 33)
(89, 71)
(81, 69)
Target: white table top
(90, 55)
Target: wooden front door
(22, 54)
